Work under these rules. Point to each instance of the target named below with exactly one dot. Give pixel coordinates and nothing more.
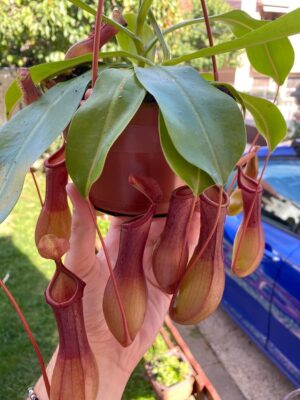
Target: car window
(281, 195)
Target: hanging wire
(210, 39)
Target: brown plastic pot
(137, 151)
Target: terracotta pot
(137, 151)
(179, 391)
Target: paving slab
(210, 363)
(233, 363)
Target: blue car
(266, 305)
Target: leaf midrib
(104, 126)
(28, 138)
(201, 123)
(267, 132)
(265, 45)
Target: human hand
(115, 363)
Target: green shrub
(35, 31)
(169, 369)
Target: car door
(248, 300)
(284, 336)
(281, 210)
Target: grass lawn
(28, 278)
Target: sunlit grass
(28, 278)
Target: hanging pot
(136, 152)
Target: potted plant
(171, 375)
(202, 131)
(155, 123)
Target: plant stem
(36, 186)
(234, 179)
(159, 35)
(122, 28)
(193, 206)
(111, 272)
(97, 42)
(142, 14)
(276, 94)
(126, 54)
(212, 231)
(171, 29)
(107, 20)
(280, 28)
(30, 335)
(83, 6)
(210, 39)
(253, 143)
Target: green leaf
(127, 44)
(204, 124)
(196, 179)
(274, 59)
(208, 76)
(268, 119)
(12, 95)
(83, 6)
(115, 99)
(142, 14)
(173, 28)
(282, 27)
(159, 35)
(48, 70)
(26, 136)
(231, 91)
(107, 20)
(39, 73)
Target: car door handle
(273, 255)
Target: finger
(156, 229)
(194, 232)
(81, 256)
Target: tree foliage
(194, 37)
(35, 31)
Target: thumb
(81, 255)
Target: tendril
(30, 335)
